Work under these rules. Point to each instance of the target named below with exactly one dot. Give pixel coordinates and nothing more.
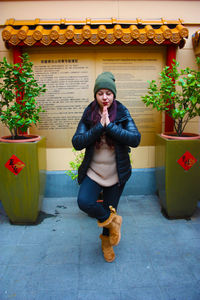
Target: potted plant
(23, 156)
(75, 164)
(178, 152)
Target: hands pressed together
(105, 117)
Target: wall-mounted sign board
(69, 76)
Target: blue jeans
(89, 193)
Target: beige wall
(143, 157)
(187, 10)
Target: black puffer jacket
(124, 133)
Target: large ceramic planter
(178, 176)
(22, 179)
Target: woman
(106, 130)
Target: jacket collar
(121, 112)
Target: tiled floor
(60, 258)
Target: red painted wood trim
(170, 55)
(17, 53)
(87, 43)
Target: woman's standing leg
(87, 201)
(111, 196)
(112, 226)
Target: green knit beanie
(105, 80)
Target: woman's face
(104, 97)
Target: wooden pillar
(17, 53)
(171, 54)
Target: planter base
(22, 184)
(178, 176)
(165, 214)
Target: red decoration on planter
(187, 160)
(15, 165)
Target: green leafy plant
(18, 90)
(75, 164)
(178, 94)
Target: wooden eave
(93, 32)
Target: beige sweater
(103, 165)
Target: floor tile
(193, 263)
(58, 206)
(28, 255)
(184, 231)
(189, 247)
(173, 272)
(56, 295)
(99, 294)
(135, 274)
(7, 252)
(59, 277)
(11, 234)
(185, 291)
(144, 293)
(129, 251)
(196, 227)
(19, 295)
(2, 271)
(162, 252)
(98, 276)
(62, 254)
(91, 253)
(61, 258)
(33, 236)
(16, 279)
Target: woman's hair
(96, 117)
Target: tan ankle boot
(108, 252)
(113, 223)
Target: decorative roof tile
(110, 31)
